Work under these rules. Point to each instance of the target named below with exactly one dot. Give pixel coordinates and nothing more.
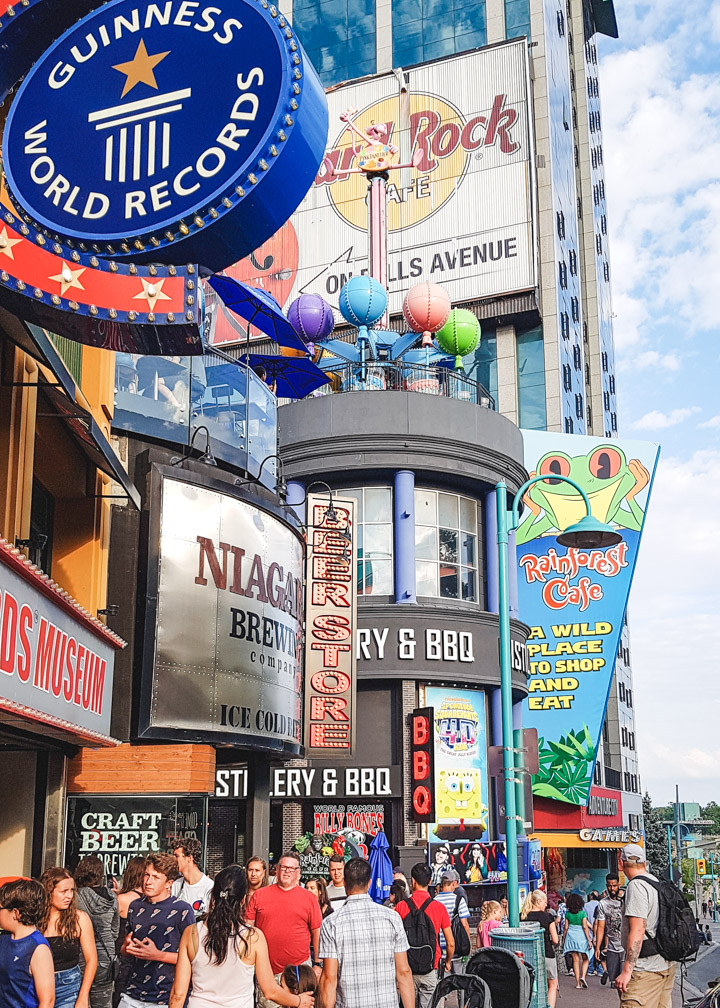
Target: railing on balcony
(170, 397)
(399, 376)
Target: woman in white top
(222, 955)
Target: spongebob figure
(460, 810)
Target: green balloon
(460, 335)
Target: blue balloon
(362, 301)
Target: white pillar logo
(139, 143)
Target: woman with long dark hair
(102, 909)
(318, 887)
(222, 955)
(578, 937)
(257, 875)
(69, 932)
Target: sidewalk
(699, 973)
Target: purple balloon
(311, 317)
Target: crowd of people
(168, 936)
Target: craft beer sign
(168, 133)
(330, 611)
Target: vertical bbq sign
(331, 615)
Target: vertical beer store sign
(331, 615)
(423, 765)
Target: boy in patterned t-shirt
(156, 922)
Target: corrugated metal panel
(464, 217)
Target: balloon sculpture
(311, 317)
(362, 301)
(426, 308)
(460, 335)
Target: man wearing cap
(452, 897)
(645, 981)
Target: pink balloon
(426, 308)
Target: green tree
(711, 811)
(655, 836)
(688, 878)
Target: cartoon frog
(611, 483)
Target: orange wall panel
(143, 769)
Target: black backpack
(462, 940)
(676, 936)
(421, 936)
(477, 992)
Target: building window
(42, 523)
(575, 309)
(612, 384)
(613, 421)
(603, 224)
(531, 379)
(445, 545)
(628, 698)
(517, 18)
(578, 406)
(567, 377)
(565, 325)
(604, 359)
(562, 274)
(624, 735)
(631, 740)
(606, 400)
(597, 775)
(598, 243)
(606, 271)
(572, 259)
(560, 223)
(568, 425)
(428, 32)
(339, 37)
(577, 359)
(621, 692)
(588, 415)
(561, 24)
(374, 539)
(579, 208)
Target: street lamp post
(588, 533)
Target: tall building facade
(546, 355)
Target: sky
(660, 88)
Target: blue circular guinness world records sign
(174, 131)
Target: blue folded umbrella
(293, 377)
(381, 869)
(258, 308)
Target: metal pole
(712, 885)
(669, 838)
(377, 214)
(507, 712)
(678, 837)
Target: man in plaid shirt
(364, 948)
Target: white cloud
(673, 628)
(655, 420)
(712, 424)
(661, 126)
(653, 359)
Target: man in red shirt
(289, 917)
(425, 983)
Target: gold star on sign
(153, 292)
(68, 277)
(139, 70)
(6, 243)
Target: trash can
(528, 942)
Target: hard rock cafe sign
(147, 142)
